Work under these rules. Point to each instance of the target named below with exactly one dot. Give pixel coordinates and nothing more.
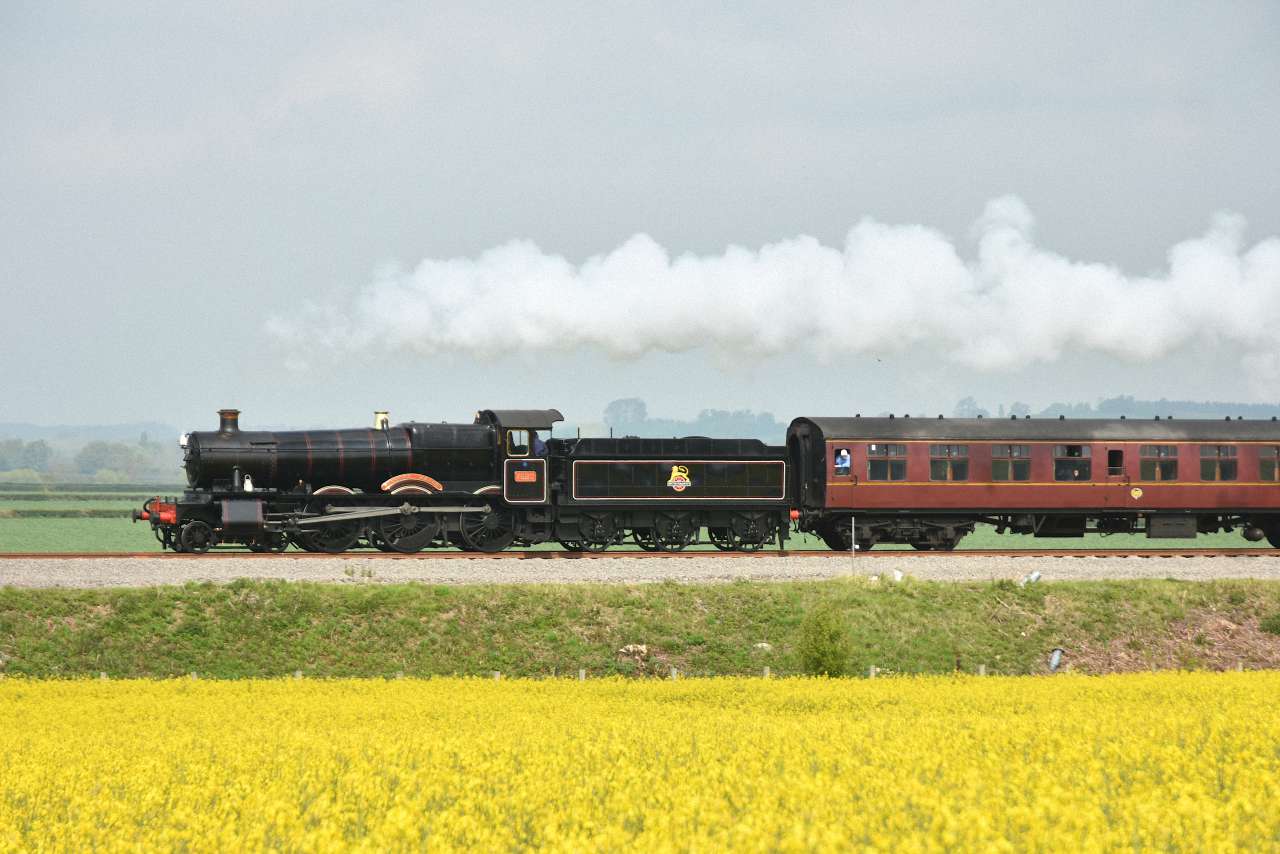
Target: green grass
(265, 629)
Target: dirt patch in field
(1204, 640)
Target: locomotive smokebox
(228, 420)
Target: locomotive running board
(383, 511)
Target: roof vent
(1028, 417)
(1239, 417)
(1121, 417)
(939, 417)
(859, 415)
(890, 414)
(1011, 417)
(1158, 418)
(979, 414)
(1228, 418)
(1062, 418)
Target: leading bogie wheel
(196, 537)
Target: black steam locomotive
(500, 481)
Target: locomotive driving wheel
(331, 537)
(487, 532)
(407, 532)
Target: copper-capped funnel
(228, 420)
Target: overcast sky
(191, 194)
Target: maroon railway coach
(927, 482)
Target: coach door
(1116, 473)
(524, 473)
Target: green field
(265, 629)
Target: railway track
(564, 555)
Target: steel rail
(441, 554)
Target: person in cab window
(536, 445)
(844, 463)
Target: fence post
(582, 674)
(102, 674)
(872, 671)
(497, 675)
(297, 674)
(675, 674)
(982, 670)
(193, 675)
(766, 671)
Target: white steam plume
(890, 288)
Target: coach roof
(1044, 429)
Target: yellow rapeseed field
(1168, 761)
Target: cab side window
(517, 443)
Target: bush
(1270, 624)
(825, 648)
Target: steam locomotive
(504, 480)
(480, 487)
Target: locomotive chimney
(228, 420)
(381, 419)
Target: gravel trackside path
(133, 572)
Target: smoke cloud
(890, 288)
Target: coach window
(842, 462)
(1011, 462)
(1158, 462)
(517, 443)
(1269, 463)
(1071, 462)
(886, 462)
(948, 462)
(1217, 462)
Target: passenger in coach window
(844, 463)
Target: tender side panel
(679, 480)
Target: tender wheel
(597, 532)
(487, 532)
(750, 531)
(196, 537)
(646, 539)
(721, 538)
(675, 531)
(407, 532)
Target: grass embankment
(264, 629)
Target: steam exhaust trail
(890, 288)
